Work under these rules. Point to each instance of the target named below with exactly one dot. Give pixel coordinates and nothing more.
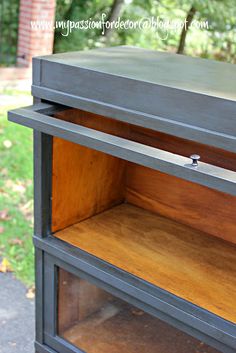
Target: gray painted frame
(158, 123)
(42, 183)
(131, 290)
(183, 315)
(205, 174)
(50, 251)
(168, 108)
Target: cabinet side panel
(197, 206)
(42, 183)
(84, 183)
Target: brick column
(33, 42)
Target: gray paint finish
(166, 306)
(187, 97)
(166, 69)
(194, 133)
(167, 102)
(205, 174)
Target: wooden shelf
(118, 327)
(186, 262)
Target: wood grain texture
(119, 327)
(95, 121)
(68, 303)
(186, 262)
(205, 209)
(84, 182)
(211, 155)
(77, 299)
(115, 332)
(76, 183)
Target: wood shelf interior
(86, 182)
(186, 262)
(172, 233)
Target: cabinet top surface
(202, 76)
(191, 98)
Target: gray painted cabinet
(135, 198)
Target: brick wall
(34, 42)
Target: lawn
(16, 189)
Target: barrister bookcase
(135, 201)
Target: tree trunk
(115, 12)
(66, 16)
(185, 29)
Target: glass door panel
(97, 322)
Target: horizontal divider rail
(180, 313)
(214, 177)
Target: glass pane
(97, 322)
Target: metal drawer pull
(195, 158)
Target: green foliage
(76, 10)
(8, 31)
(216, 42)
(221, 16)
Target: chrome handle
(195, 158)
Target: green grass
(16, 192)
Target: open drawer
(132, 198)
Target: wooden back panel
(199, 207)
(86, 182)
(77, 299)
(152, 138)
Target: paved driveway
(16, 317)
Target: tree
(189, 19)
(221, 18)
(77, 10)
(216, 42)
(9, 11)
(115, 12)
